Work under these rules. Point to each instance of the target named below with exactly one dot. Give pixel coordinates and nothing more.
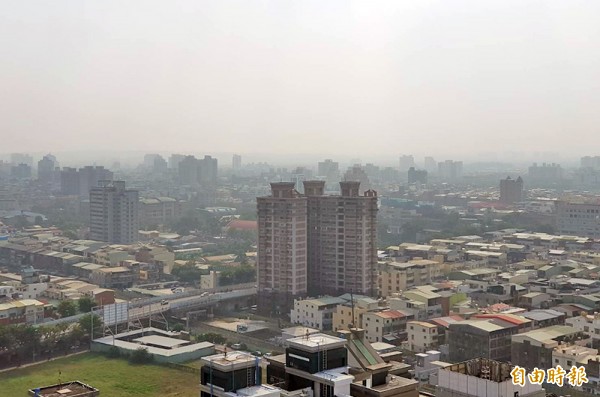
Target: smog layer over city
(300, 198)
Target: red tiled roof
(391, 314)
(239, 224)
(513, 319)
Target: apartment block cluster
(314, 243)
(529, 299)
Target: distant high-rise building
(155, 163)
(357, 173)
(282, 247)
(46, 168)
(21, 158)
(450, 170)
(406, 161)
(342, 239)
(430, 164)
(511, 190)
(174, 161)
(372, 171)
(69, 181)
(329, 169)
(21, 171)
(188, 170)
(298, 176)
(159, 165)
(578, 217)
(591, 162)
(315, 243)
(114, 212)
(546, 173)
(417, 176)
(89, 176)
(149, 160)
(236, 162)
(208, 171)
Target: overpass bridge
(145, 308)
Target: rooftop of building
(547, 335)
(317, 341)
(394, 382)
(156, 341)
(390, 314)
(254, 391)
(161, 341)
(487, 325)
(381, 346)
(66, 389)
(509, 318)
(446, 321)
(542, 314)
(422, 324)
(116, 269)
(231, 359)
(483, 368)
(20, 304)
(574, 351)
(325, 301)
(299, 331)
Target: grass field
(113, 377)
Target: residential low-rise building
(159, 210)
(422, 302)
(385, 326)
(350, 313)
(118, 277)
(395, 277)
(29, 311)
(422, 336)
(534, 348)
(488, 338)
(315, 313)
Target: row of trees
(25, 343)
(69, 308)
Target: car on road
(164, 302)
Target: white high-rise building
(114, 213)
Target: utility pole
(352, 305)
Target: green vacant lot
(113, 377)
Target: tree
(212, 337)
(67, 308)
(141, 356)
(238, 275)
(87, 321)
(187, 273)
(85, 304)
(196, 221)
(178, 327)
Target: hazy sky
(360, 77)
